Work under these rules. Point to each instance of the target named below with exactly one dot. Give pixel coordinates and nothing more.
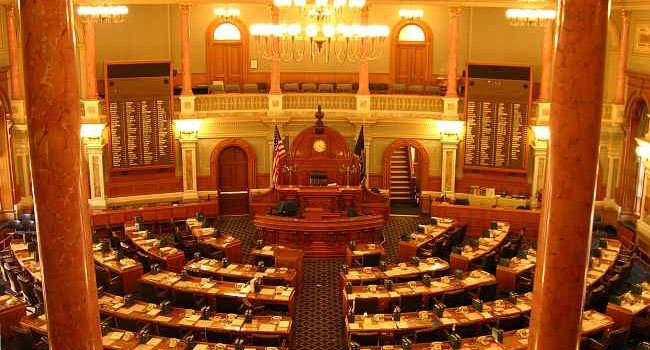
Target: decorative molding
(423, 160)
(250, 156)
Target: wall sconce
(92, 133)
(450, 128)
(643, 148)
(411, 13)
(187, 128)
(222, 12)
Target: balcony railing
(326, 101)
(407, 103)
(231, 102)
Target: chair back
(410, 302)
(369, 305)
(27, 288)
(22, 337)
(366, 338)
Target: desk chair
(24, 339)
(232, 88)
(411, 303)
(486, 293)
(616, 339)
(511, 322)
(27, 287)
(266, 340)
(111, 282)
(591, 344)
(371, 260)
(325, 87)
(457, 236)
(399, 88)
(38, 292)
(215, 337)
(429, 335)
(614, 283)
(366, 338)
(144, 259)
(344, 88)
(308, 87)
(524, 284)
(169, 331)
(251, 89)
(291, 87)
(363, 305)
(153, 294)
(598, 298)
(268, 260)
(456, 298)
(226, 304)
(188, 300)
(12, 272)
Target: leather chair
(251, 89)
(266, 340)
(188, 300)
(105, 278)
(12, 273)
(410, 303)
(153, 294)
(291, 87)
(371, 260)
(308, 87)
(616, 339)
(429, 335)
(591, 344)
(38, 292)
(456, 298)
(598, 298)
(232, 88)
(229, 305)
(369, 305)
(27, 288)
(366, 338)
(325, 87)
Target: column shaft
(186, 66)
(568, 205)
(60, 197)
(452, 65)
(364, 78)
(547, 63)
(90, 58)
(274, 87)
(622, 58)
(17, 92)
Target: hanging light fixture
(324, 34)
(104, 14)
(530, 17)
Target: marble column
(274, 87)
(568, 205)
(547, 62)
(60, 195)
(448, 173)
(613, 164)
(540, 153)
(452, 55)
(364, 79)
(619, 98)
(188, 154)
(17, 92)
(20, 146)
(90, 58)
(186, 67)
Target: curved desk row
(327, 237)
(154, 213)
(365, 275)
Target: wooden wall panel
(512, 183)
(145, 182)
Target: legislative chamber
(325, 175)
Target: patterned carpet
(319, 320)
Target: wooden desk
(269, 295)
(430, 266)
(115, 339)
(330, 199)
(164, 213)
(239, 272)
(592, 322)
(219, 323)
(363, 249)
(12, 310)
(464, 260)
(319, 238)
(631, 306)
(230, 245)
(439, 286)
(170, 257)
(507, 275)
(409, 249)
(26, 260)
(597, 271)
(478, 218)
(129, 270)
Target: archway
(226, 48)
(629, 194)
(414, 166)
(233, 171)
(411, 52)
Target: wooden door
(233, 181)
(225, 62)
(411, 63)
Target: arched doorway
(226, 47)
(406, 171)
(233, 171)
(630, 194)
(411, 52)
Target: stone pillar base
(91, 111)
(450, 106)
(187, 105)
(363, 103)
(543, 113)
(275, 103)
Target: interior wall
(638, 62)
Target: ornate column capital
(185, 8)
(454, 11)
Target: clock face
(319, 145)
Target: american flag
(278, 155)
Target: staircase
(400, 179)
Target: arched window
(411, 32)
(227, 32)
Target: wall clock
(319, 145)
